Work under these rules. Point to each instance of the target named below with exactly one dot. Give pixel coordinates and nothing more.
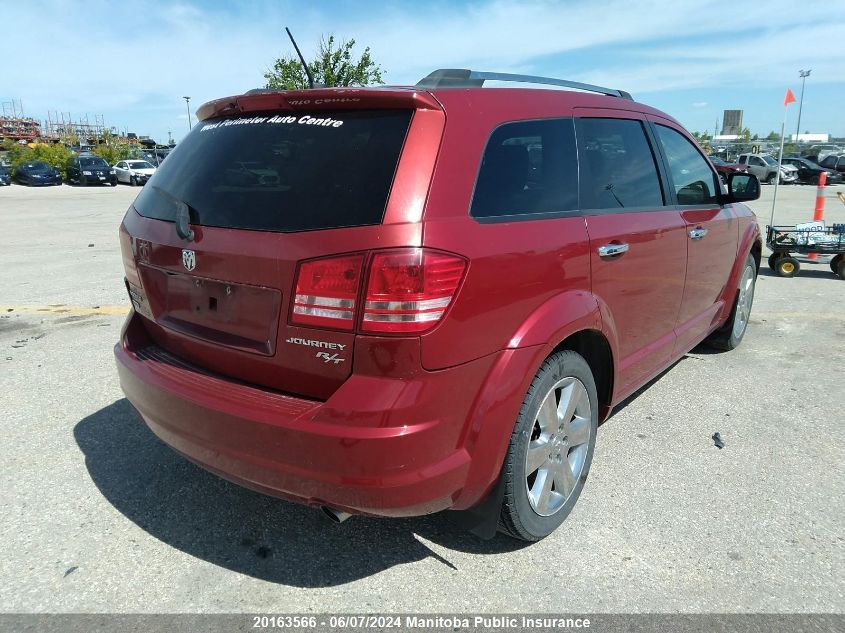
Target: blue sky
(133, 61)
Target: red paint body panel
(408, 425)
(640, 291)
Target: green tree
(335, 65)
(54, 154)
(112, 151)
(773, 136)
(745, 134)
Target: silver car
(134, 172)
(765, 167)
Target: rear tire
(773, 258)
(834, 263)
(840, 268)
(551, 448)
(787, 266)
(730, 335)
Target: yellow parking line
(64, 309)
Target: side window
(617, 165)
(694, 180)
(528, 167)
(742, 159)
(757, 162)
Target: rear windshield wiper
(182, 216)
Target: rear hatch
(267, 182)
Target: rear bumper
(380, 446)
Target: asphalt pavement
(100, 516)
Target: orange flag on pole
(789, 98)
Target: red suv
(395, 301)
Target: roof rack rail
(464, 78)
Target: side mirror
(743, 187)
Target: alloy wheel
(744, 301)
(558, 446)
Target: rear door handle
(612, 250)
(697, 234)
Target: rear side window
(692, 176)
(617, 165)
(282, 172)
(528, 167)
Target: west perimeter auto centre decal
(306, 119)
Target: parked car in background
(765, 167)
(833, 162)
(809, 172)
(5, 177)
(90, 170)
(134, 172)
(725, 168)
(424, 299)
(824, 150)
(37, 174)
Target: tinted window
(617, 165)
(288, 172)
(528, 167)
(757, 161)
(692, 176)
(93, 162)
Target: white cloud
(138, 57)
(699, 104)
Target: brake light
(410, 289)
(326, 290)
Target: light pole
(803, 74)
(188, 106)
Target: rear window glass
(528, 167)
(282, 172)
(617, 165)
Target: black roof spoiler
(463, 78)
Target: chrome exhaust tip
(335, 516)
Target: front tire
(772, 179)
(834, 263)
(730, 335)
(551, 448)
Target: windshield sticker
(306, 119)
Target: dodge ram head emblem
(189, 259)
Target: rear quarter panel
(515, 268)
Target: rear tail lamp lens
(326, 291)
(410, 289)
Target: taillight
(326, 291)
(409, 289)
